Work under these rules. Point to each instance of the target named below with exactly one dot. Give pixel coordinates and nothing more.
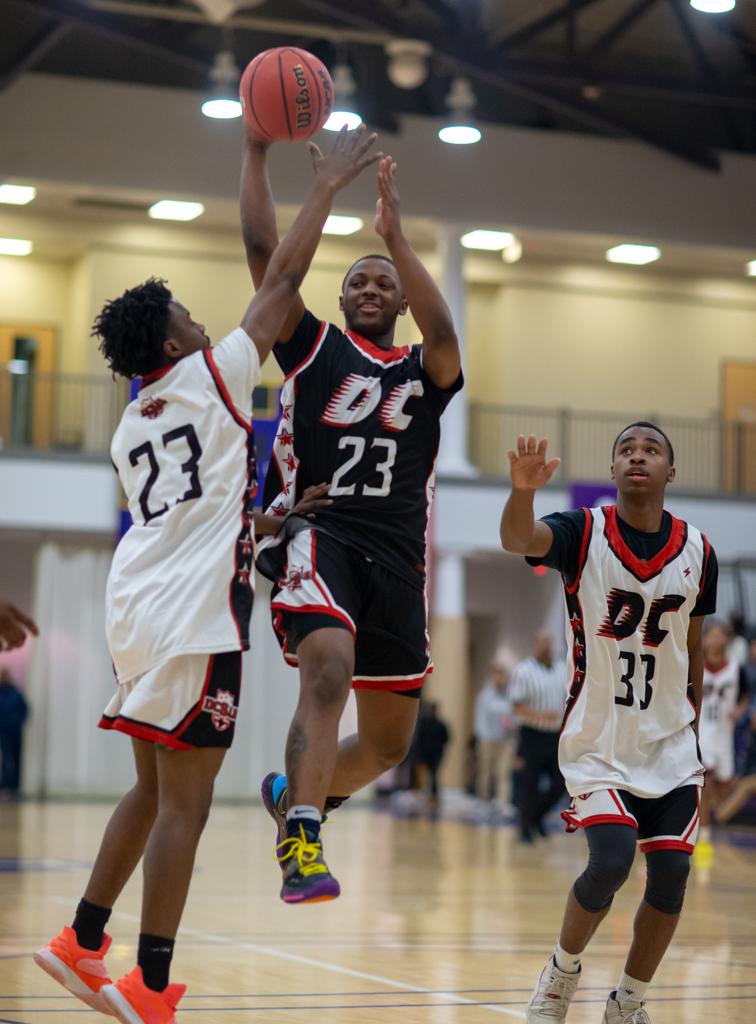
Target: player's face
(372, 298)
(714, 643)
(641, 462)
(186, 335)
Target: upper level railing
(79, 412)
(711, 455)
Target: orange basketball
(286, 94)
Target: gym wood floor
(445, 922)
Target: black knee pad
(665, 881)
(612, 850)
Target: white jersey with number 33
(629, 717)
(181, 578)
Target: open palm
(528, 466)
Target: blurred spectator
(725, 700)
(750, 666)
(428, 746)
(495, 731)
(737, 648)
(13, 714)
(538, 691)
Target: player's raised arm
(258, 222)
(270, 307)
(520, 532)
(441, 359)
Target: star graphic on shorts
(284, 437)
(246, 546)
(286, 411)
(243, 576)
(290, 462)
(278, 509)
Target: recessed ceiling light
(339, 118)
(492, 241)
(222, 108)
(751, 268)
(15, 246)
(175, 209)
(338, 225)
(460, 134)
(637, 255)
(17, 195)
(713, 6)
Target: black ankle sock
(310, 825)
(89, 924)
(332, 802)
(154, 957)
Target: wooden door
(20, 396)
(739, 413)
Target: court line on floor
(324, 965)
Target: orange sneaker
(133, 1003)
(82, 971)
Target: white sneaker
(615, 1014)
(552, 996)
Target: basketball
(286, 94)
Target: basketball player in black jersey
(349, 596)
(638, 583)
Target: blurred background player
(349, 603)
(495, 733)
(725, 700)
(13, 713)
(179, 595)
(538, 693)
(637, 583)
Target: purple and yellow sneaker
(273, 793)
(306, 878)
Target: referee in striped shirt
(538, 691)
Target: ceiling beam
(600, 48)
(540, 24)
(490, 67)
(112, 26)
(38, 48)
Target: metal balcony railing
(67, 412)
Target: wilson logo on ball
(286, 94)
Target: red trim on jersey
(586, 540)
(143, 732)
(223, 390)
(150, 378)
(391, 355)
(320, 609)
(665, 844)
(576, 688)
(319, 337)
(382, 683)
(705, 566)
(644, 571)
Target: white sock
(630, 990)
(304, 811)
(569, 963)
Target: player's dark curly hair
(649, 426)
(133, 327)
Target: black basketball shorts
(328, 584)
(668, 822)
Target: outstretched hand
(528, 466)
(348, 158)
(387, 221)
(14, 626)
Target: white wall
(58, 494)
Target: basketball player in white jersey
(725, 699)
(637, 583)
(179, 594)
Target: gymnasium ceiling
(652, 70)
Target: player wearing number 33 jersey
(637, 584)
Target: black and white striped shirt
(541, 689)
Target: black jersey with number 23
(366, 420)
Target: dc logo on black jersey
(358, 396)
